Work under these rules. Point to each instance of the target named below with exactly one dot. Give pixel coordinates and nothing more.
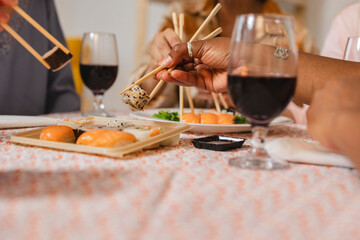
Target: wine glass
(262, 78)
(98, 67)
(352, 50)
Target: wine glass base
(258, 163)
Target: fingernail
(166, 62)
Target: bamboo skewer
(216, 101)
(25, 44)
(40, 29)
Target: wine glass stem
(98, 102)
(258, 141)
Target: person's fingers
(179, 54)
(214, 53)
(8, 2)
(167, 77)
(4, 18)
(171, 37)
(188, 67)
(161, 43)
(155, 55)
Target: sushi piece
(226, 118)
(106, 138)
(208, 118)
(57, 59)
(136, 97)
(190, 118)
(58, 134)
(142, 133)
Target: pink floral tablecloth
(171, 193)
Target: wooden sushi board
(170, 133)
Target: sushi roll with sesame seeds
(136, 97)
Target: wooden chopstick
(176, 29)
(191, 103)
(213, 34)
(216, 101)
(181, 88)
(210, 36)
(207, 20)
(161, 82)
(187, 89)
(175, 23)
(222, 99)
(147, 76)
(25, 44)
(41, 29)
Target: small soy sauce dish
(218, 143)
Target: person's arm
(4, 11)
(314, 71)
(334, 117)
(210, 72)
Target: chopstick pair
(179, 30)
(160, 68)
(161, 82)
(54, 59)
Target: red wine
(261, 98)
(98, 78)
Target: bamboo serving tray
(168, 136)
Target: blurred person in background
(345, 24)
(26, 86)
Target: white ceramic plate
(206, 128)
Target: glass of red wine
(262, 78)
(99, 67)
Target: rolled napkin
(14, 121)
(294, 150)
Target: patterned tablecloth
(171, 193)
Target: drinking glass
(352, 50)
(262, 78)
(98, 67)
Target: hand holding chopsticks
(160, 68)
(53, 59)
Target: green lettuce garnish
(167, 115)
(239, 119)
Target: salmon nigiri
(190, 118)
(209, 118)
(226, 118)
(106, 138)
(58, 134)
